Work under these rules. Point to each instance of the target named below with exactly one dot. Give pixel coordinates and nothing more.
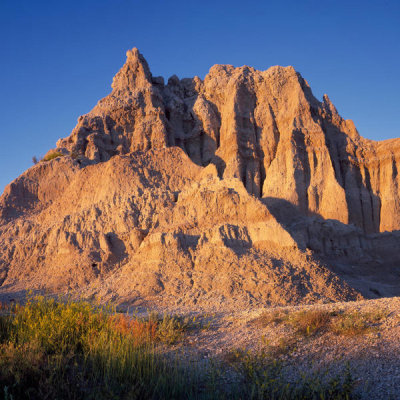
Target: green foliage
(264, 378)
(356, 323)
(75, 350)
(308, 323)
(311, 322)
(52, 156)
(170, 329)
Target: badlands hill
(242, 189)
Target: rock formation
(242, 188)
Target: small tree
(35, 160)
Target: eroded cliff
(242, 186)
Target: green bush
(52, 156)
(263, 378)
(73, 350)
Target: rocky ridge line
(242, 189)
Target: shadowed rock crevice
(302, 174)
(363, 202)
(361, 260)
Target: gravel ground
(373, 356)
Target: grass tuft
(309, 323)
(312, 322)
(271, 317)
(70, 350)
(263, 377)
(52, 156)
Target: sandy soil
(373, 356)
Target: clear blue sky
(58, 57)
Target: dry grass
(51, 349)
(308, 323)
(141, 331)
(271, 317)
(52, 156)
(170, 328)
(304, 322)
(263, 377)
(156, 328)
(356, 323)
(350, 324)
(312, 322)
(71, 350)
(284, 346)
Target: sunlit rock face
(236, 188)
(262, 127)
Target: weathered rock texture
(240, 187)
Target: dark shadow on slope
(369, 263)
(9, 296)
(363, 205)
(117, 246)
(185, 129)
(219, 164)
(302, 176)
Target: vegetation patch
(52, 156)
(308, 323)
(263, 377)
(74, 350)
(311, 322)
(170, 329)
(305, 323)
(356, 323)
(271, 317)
(70, 350)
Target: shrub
(307, 323)
(354, 323)
(170, 329)
(52, 156)
(310, 322)
(73, 350)
(263, 377)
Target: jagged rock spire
(134, 74)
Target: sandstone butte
(242, 189)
